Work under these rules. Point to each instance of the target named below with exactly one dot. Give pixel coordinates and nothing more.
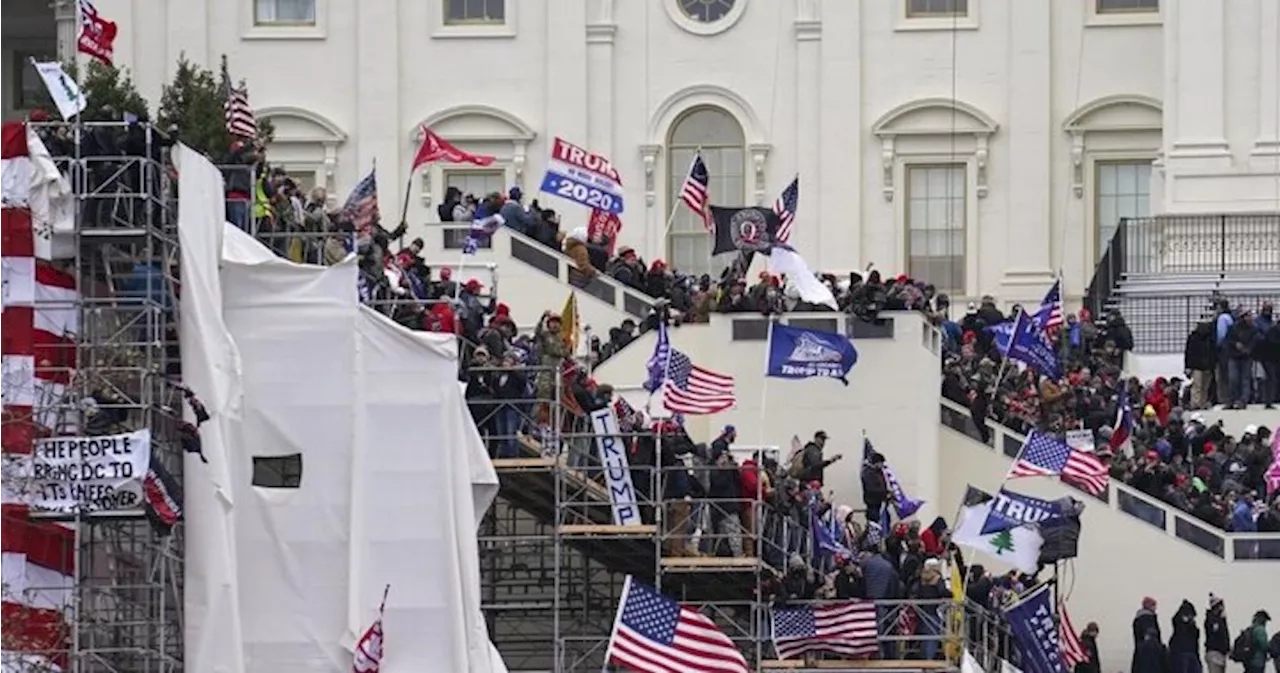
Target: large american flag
(847, 628)
(1073, 652)
(362, 205)
(1044, 455)
(694, 191)
(785, 208)
(686, 387)
(240, 119)
(655, 634)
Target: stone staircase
(1162, 308)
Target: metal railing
(1230, 547)
(1185, 244)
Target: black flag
(744, 230)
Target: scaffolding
(126, 607)
(554, 559)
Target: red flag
(435, 148)
(97, 35)
(604, 223)
(368, 655)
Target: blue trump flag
(1029, 344)
(1035, 629)
(1010, 510)
(826, 534)
(1044, 318)
(798, 353)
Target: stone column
(1195, 84)
(379, 134)
(64, 17)
(807, 229)
(1030, 135)
(601, 29)
(1267, 146)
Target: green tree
(1002, 542)
(109, 92)
(192, 104)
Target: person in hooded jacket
(1184, 644)
(1217, 636)
(1145, 621)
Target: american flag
(655, 634)
(686, 387)
(362, 205)
(1044, 455)
(1073, 652)
(1049, 314)
(847, 628)
(240, 119)
(785, 208)
(694, 191)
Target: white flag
(1018, 546)
(63, 90)
(784, 260)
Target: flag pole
(675, 203)
(408, 188)
(764, 387)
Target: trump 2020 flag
(903, 503)
(1010, 510)
(798, 353)
(1030, 345)
(1033, 625)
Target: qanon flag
(744, 230)
(798, 353)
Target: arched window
(723, 145)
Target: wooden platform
(642, 530)
(693, 564)
(855, 665)
(501, 464)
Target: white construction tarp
(394, 477)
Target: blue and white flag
(1010, 510)
(1035, 629)
(826, 534)
(583, 177)
(903, 503)
(798, 353)
(481, 229)
(1029, 344)
(1048, 315)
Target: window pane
(1125, 6)
(1123, 190)
(474, 11)
(476, 183)
(937, 7)
(707, 126)
(936, 225)
(292, 12)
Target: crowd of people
(1167, 450)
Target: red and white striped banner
(40, 320)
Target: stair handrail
(567, 268)
(1229, 546)
(1109, 270)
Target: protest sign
(617, 469)
(579, 175)
(1080, 439)
(88, 474)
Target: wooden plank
(697, 563)
(522, 463)
(607, 529)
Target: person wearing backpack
(1250, 647)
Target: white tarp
(394, 477)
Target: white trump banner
(89, 474)
(617, 469)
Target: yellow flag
(953, 646)
(569, 323)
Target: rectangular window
(936, 225)
(917, 9)
(284, 12)
(1122, 189)
(689, 244)
(478, 184)
(1126, 6)
(474, 11)
(28, 89)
